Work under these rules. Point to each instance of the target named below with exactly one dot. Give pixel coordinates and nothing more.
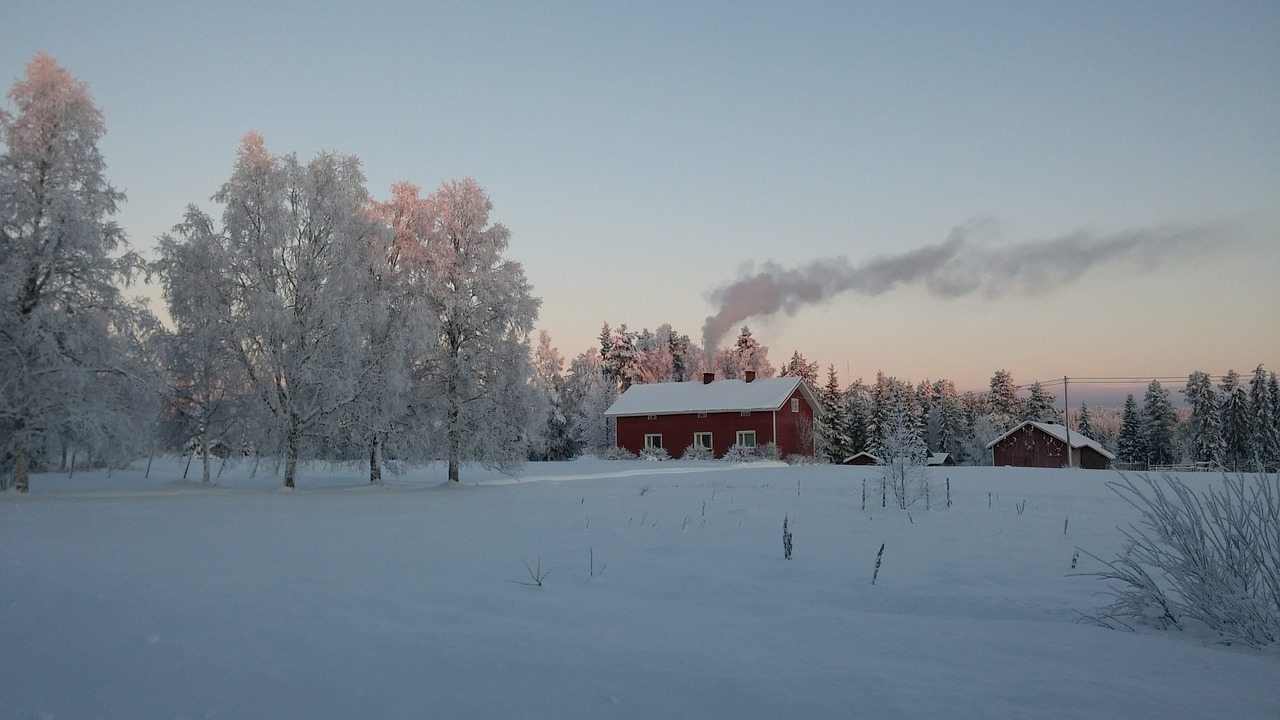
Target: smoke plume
(955, 267)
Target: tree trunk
(21, 466)
(291, 452)
(204, 459)
(375, 459)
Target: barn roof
(1059, 433)
(678, 398)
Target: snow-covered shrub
(902, 461)
(797, 459)
(698, 452)
(654, 454)
(1212, 557)
(768, 451)
(741, 453)
(617, 453)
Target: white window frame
(743, 435)
(795, 405)
(649, 441)
(710, 440)
(745, 413)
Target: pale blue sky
(642, 155)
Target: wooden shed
(717, 414)
(1045, 445)
(862, 458)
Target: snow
(696, 396)
(125, 597)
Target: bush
(1213, 558)
(654, 454)
(698, 452)
(768, 451)
(740, 453)
(617, 453)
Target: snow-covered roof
(677, 398)
(1059, 432)
(938, 458)
(862, 453)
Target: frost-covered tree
(396, 332)
(858, 400)
(833, 430)
(296, 237)
(1158, 421)
(1264, 433)
(903, 456)
(799, 367)
(745, 354)
(1131, 446)
(1237, 423)
(1039, 406)
(70, 369)
(484, 310)
(1002, 401)
(205, 385)
(551, 441)
(589, 394)
(654, 362)
(618, 356)
(949, 418)
(1205, 423)
(1084, 423)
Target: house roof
(862, 453)
(678, 398)
(1059, 433)
(938, 458)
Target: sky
(648, 156)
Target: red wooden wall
(677, 430)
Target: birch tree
(484, 310)
(68, 370)
(295, 234)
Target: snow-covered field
(126, 597)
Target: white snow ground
(126, 597)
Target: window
(702, 414)
(653, 442)
(745, 413)
(702, 440)
(653, 417)
(747, 438)
(795, 404)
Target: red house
(1037, 444)
(717, 414)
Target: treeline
(309, 320)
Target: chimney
(749, 375)
(707, 377)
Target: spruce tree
(1130, 447)
(1158, 419)
(833, 428)
(1039, 406)
(1084, 423)
(1265, 437)
(1205, 424)
(1237, 424)
(1002, 402)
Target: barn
(717, 414)
(1037, 444)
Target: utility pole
(1066, 421)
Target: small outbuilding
(717, 414)
(940, 459)
(862, 458)
(1048, 445)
